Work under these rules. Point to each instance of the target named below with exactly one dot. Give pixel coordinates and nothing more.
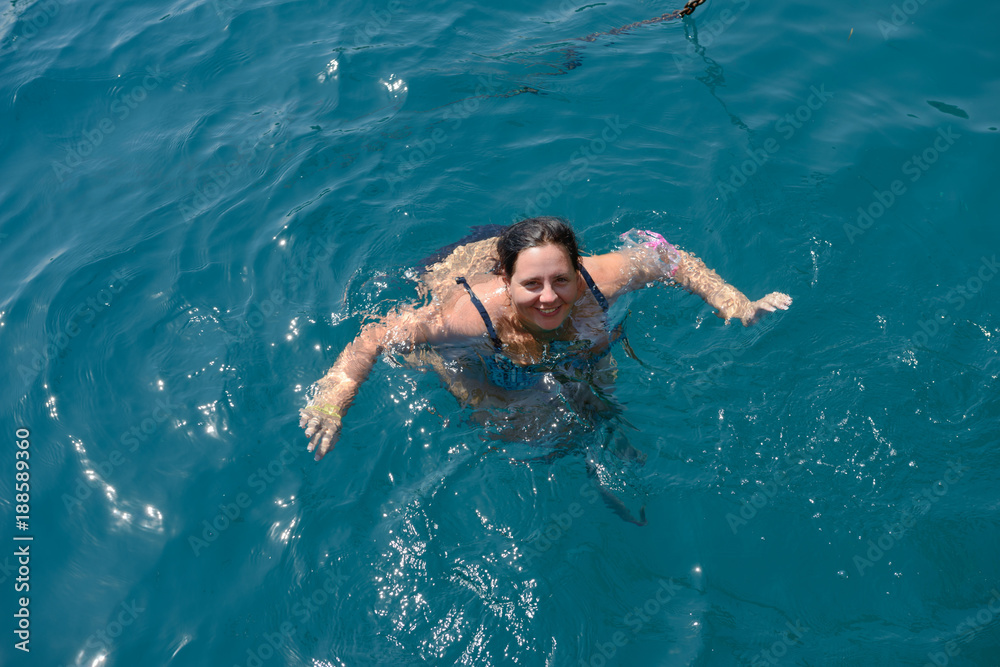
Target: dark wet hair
(532, 233)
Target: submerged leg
(613, 501)
(623, 449)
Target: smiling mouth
(548, 311)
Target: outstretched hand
(768, 304)
(322, 425)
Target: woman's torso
(509, 355)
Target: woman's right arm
(454, 319)
(322, 418)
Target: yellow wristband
(326, 410)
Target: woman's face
(543, 287)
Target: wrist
(329, 411)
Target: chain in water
(572, 56)
(669, 16)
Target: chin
(551, 323)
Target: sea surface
(201, 203)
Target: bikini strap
(593, 288)
(482, 313)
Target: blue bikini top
(504, 372)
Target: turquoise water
(201, 200)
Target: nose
(548, 294)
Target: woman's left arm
(659, 261)
(692, 274)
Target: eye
(562, 280)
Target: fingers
(770, 303)
(307, 418)
(316, 445)
(321, 431)
(778, 300)
(319, 441)
(326, 440)
(324, 445)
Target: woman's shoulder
(460, 315)
(610, 271)
(609, 262)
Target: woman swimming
(533, 311)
